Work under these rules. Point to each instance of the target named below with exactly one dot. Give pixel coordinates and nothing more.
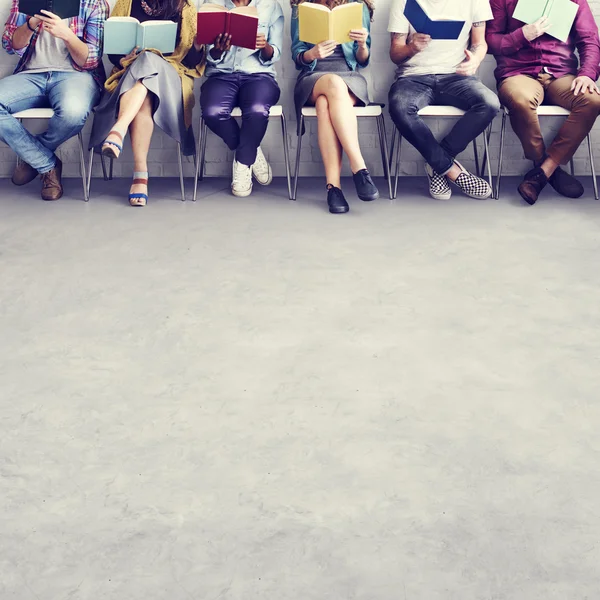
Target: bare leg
(141, 129)
(129, 106)
(331, 149)
(342, 116)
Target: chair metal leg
(89, 174)
(286, 154)
(203, 151)
(572, 165)
(488, 133)
(500, 155)
(82, 167)
(110, 173)
(197, 157)
(384, 153)
(592, 166)
(392, 145)
(476, 158)
(298, 149)
(397, 171)
(181, 182)
(486, 150)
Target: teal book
(560, 13)
(123, 34)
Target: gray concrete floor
(251, 399)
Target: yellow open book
(318, 23)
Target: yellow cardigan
(187, 36)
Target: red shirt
(516, 56)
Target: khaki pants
(522, 95)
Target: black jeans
(410, 94)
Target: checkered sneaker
(438, 185)
(471, 185)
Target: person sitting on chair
(330, 81)
(438, 71)
(246, 78)
(534, 67)
(147, 88)
(60, 67)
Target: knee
(489, 105)
(403, 109)
(257, 110)
(72, 112)
(587, 103)
(335, 86)
(216, 112)
(521, 103)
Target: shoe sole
(441, 196)
(526, 198)
(21, 183)
(339, 211)
(369, 198)
(244, 194)
(269, 179)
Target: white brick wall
(163, 160)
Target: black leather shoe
(531, 186)
(336, 201)
(565, 184)
(365, 188)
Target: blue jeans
(71, 94)
(410, 94)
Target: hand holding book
(536, 30)
(54, 25)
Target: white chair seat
(373, 110)
(434, 110)
(547, 110)
(35, 113)
(274, 111)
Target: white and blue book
(442, 29)
(123, 34)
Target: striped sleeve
(15, 20)
(93, 34)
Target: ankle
(337, 185)
(356, 167)
(549, 166)
(454, 172)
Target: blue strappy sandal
(138, 199)
(108, 147)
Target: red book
(241, 23)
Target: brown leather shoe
(24, 173)
(51, 183)
(532, 184)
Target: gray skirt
(162, 80)
(337, 64)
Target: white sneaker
(261, 169)
(438, 184)
(241, 184)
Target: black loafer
(365, 188)
(336, 201)
(531, 186)
(565, 184)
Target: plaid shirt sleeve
(93, 34)
(15, 20)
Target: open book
(423, 23)
(63, 8)
(241, 23)
(560, 13)
(123, 34)
(319, 24)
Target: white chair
(109, 175)
(275, 112)
(544, 111)
(46, 114)
(372, 111)
(442, 111)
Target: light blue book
(560, 13)
(123, 34)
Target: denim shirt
(350, 48)
(242, 60)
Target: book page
(314, 23)
(346, 17)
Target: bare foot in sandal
(113, 145)
(138, 193)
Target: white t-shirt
(441, 56)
